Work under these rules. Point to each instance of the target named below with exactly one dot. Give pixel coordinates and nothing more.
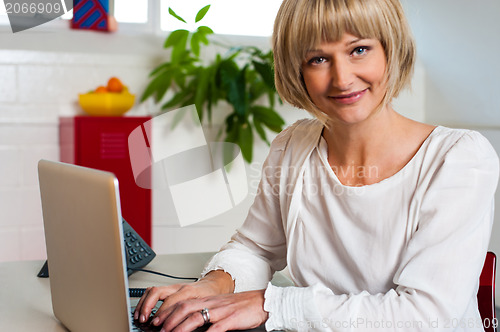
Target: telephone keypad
(137, 251)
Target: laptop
(85, 254)
(84, 239)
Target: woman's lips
(350, 98)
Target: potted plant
(243, 77)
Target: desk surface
(25, 302)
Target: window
(4, 20)
(229, 17)
(126, 11)
(131, 11)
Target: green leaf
(272, 98)
(157, 87)
(215, 91)
(180, 76)
(246, 141)
(195, 44)
(268, 117)
(164, 84)
(175, 37)
(260, 130)
(202, 89)
(179, 51)
(190, 91)
(178, 41)
(265, 70)
(257, 88)
(150, 89)
(231, 133)
(233, 82)
(201, 14)
(187, 65)
(202, 34)
(176, 100)
(164, 66)
(205, 30)
(171, 12)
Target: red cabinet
(102, 143)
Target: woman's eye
(317, 60)
(360, 50)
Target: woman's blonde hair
(301, 25)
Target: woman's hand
(226, 312)
(214, 283)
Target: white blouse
(401, 254)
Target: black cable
(163, 274)
(138, 292)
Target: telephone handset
(138, 253)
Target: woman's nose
(342, 75)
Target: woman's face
(346, 79)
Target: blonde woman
(383, 222)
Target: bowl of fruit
(114, 99)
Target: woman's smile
(349, 98)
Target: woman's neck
(361, 143)
(382, 144)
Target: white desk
(25, 303)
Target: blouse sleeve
(259, 247)
(437, 280)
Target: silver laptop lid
(84, 238)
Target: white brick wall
(8, 83)
(35, 89)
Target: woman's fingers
(192, 322)
(225, 312)
(215, 282)
(139, 309)
(148, 301)
(182, 314)
(170, 295)
(185, 292)
(139, 304)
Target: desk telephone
(138, 253)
